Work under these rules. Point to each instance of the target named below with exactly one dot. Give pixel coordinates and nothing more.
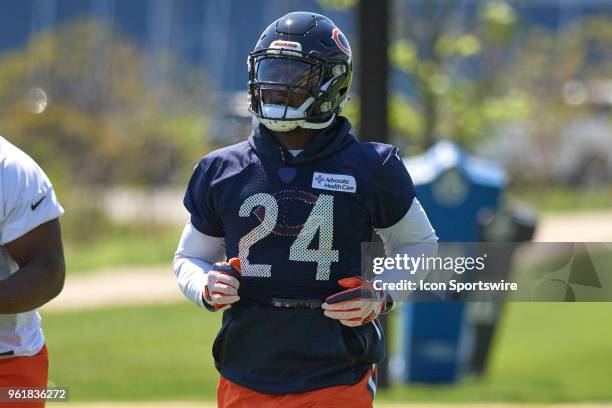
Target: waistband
(295, 304)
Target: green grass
(546, 352)
(564, 199)
(136, 353)
(115, 246)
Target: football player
(31, 268)
(277, 222)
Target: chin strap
(313, 125)
(289, 125)
(277, 125)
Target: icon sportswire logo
(334, 182)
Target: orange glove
(350, 306)
(222, 283)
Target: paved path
(577, 227)
(154, 285)
(118, 287)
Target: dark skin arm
(40, 278)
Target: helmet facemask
(290, 89)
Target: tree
(110, 117)
(451, 73)
(565, 73)
(454, 71)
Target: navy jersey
(297, 224)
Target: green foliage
(403, 117)
(516, 71)
(164, 353)
(468, 114)
(115, 113)
(547, 61)
(500, 20)
(403, 55)
(445, 103)
(463, 45)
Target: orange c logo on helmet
(341, 41)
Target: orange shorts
(360, 395)
(25, 372)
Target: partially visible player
(31, 268)
(290, 209)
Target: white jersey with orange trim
(27, 200)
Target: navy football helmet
(300, 73)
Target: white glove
(222, 283)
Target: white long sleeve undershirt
(413, 235)
(194, 257)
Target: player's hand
(350, 307)
(222, 283)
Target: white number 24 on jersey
(321, 219)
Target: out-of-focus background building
(117, 100)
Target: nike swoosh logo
(36, 204)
